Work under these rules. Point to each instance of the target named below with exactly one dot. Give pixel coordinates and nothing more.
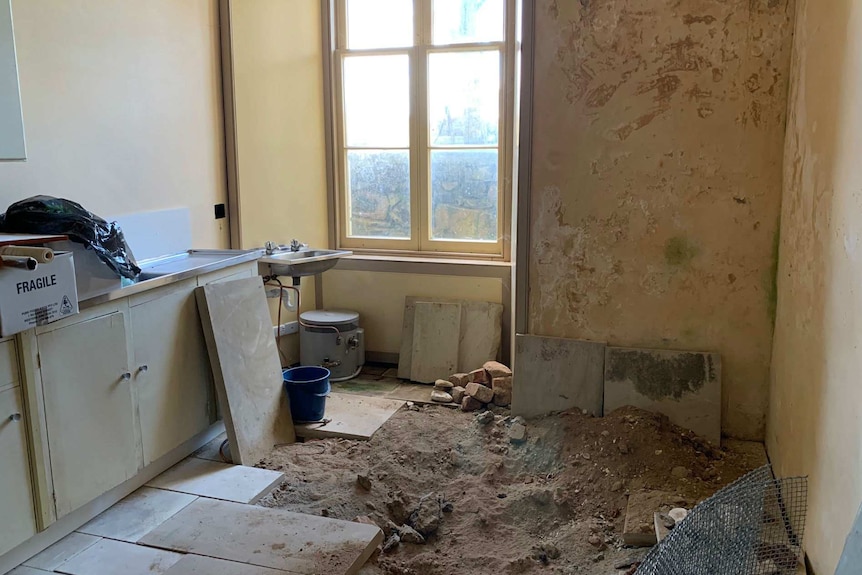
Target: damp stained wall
(658, 135)
(815, 426)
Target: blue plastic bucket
(307, 388)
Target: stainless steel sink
(305, 262)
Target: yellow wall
(379, 299)
(278, 86)
(122, 108)
(815, 426)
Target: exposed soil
(555, 503)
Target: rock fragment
(458, 393)
(459, 379)
(470, 403)
(497, 369)
(479, 376)
(518, 433)
(440, 396)
(364, 482)
(443, 385)
(485, 417)
(410, 535)
(481, 392)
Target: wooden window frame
(420, 243)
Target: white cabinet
(89, 411)
(11, 122)
(171, 369)
(16, 495)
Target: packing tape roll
(41, 255)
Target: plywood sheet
(479, 340)
(684, 385)
(137, 514)
(197, 565)
(436, 335)
(218, 480)
(246, 367)
(352, 416)
(108, 557)
(555, 374)
(267, 537)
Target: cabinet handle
(143, 369)
(126, 376)
(16, 417)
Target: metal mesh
(753, 526)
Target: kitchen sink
(305, 262)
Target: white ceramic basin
(305, 262)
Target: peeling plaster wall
(815, 426)
(657, 156)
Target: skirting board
(69, 523)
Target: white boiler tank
(332, 338)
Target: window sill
(409, 264)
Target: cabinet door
(89, 412)
(16, 495)
(172, 372)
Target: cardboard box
(39, 297)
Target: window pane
(460, 21)
(464, 98)
(379, 189)
(464, 195)
(377, 101)
(379, 24)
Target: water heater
(332, 339)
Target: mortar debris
(440, 473)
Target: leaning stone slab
(684, 385)
(556, 374)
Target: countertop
(167, 270)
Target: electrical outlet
(220, 211)
(286, 328)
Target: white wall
(122, 108)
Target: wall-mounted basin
(305, 262)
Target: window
(423, 121)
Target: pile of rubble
(491, 384)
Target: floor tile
(109, 557)
(24, 570)
(198, 565)
(351, 417)
(415, 392)
(62, 550)
(210, 450)
(137, 514)
(218, 480)
(268, 537)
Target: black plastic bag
(47, 215)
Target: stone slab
(247, 370)
(61, 551)
(197, 565)
(555, 374)
(137, 514)
(274, 538)
(683, 385)
(108, 557)
(639, 528)
(479, 340)
(851, 557)
(217, 480)
(351, 417)
(436, 333)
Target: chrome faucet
(271, 248)
(296, 245)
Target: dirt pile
(487, 500)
